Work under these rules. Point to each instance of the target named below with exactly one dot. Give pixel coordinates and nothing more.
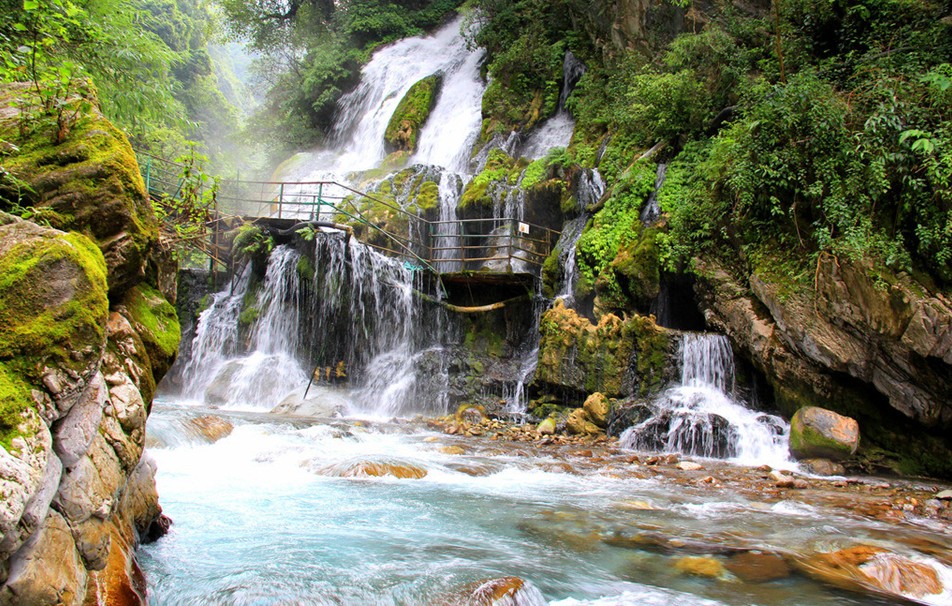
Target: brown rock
(819, 433)
(578, 423)
(211, 428)
(47, 569)
(822, 467)
(493, 591)
(374, 469)
(700, 566)
(869, 569)
(597, 408)
(757, 567)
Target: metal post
(320, 200)
(280, 200)
(148, 175)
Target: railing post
(148, 175)
(280, 200)
(320, 201)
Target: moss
(635, 273)
(305, 268)
(53, 306)
(427, 196)
(551, 274)
(477, 194)
(614, 356)
(248, 316)
(534, 173)
(412, 112)
(90, 183)
(14, 400)
(156, 321)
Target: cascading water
(447, 237)
(701, 416)
(363, 114)
(221, 371)
(651, 210)
(590, 188)
(557, 130)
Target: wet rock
(322, 403)
(210, 427)
(757, 567)
(819, 433)
(547, 427)
(374, 469)
(870, 569)
(597, 408)
(452, 450)
(579, 423)
(700, 566)
(506, 591)
(944, 495)
(822, 467)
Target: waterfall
(651, 210)
(447, 237)
(357, 140)
(590, 188)
(557, 130)
(702, 416)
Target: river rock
(757, 567)
(506, 591)
(321, 403)
(597, 407)
(944, 495)
(819, 433)
(374, 469)
(870, 569)
(822, 467)
(210, 427)
(579, 423)
(547, 427)
(700, 566)
(689, 466)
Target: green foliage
(477, 192)
(251, 241)
(184, 217)
(614, 226)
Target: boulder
(819, 433)
(873, 570)
(24, 467)
(700, 566)
(411, 114)
(822, 467)
(547, 427)
(757, 567)
(579, 423)
(597, 407)
(211, 428)
(47, 569)
(365, 468)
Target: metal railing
(497, 244)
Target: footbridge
(501, 251)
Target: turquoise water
(260, 518)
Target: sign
(523, 228)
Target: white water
(268, 515)
(651, 210)
(363, 115)
(590, 188)
(702, 417)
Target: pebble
(945, 495)
(689, 466)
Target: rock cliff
(868, 344)
(85, 335)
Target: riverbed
(277, 510)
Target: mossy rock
(819, 433)
(615, 357)
(53, 311)
(89, 183)
(411, 114)
(156, 322)
(477, 196)
(637, 270)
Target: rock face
(614, 357)
(876, 347)
(83, 340)
(820, 433)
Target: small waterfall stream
(702, 416)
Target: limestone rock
(819, 433)
(91, 487)
(23, 469)
(47, 569)
(547, 426)
(700, 566)
(140, 501)
(689, 466)
(156, 322)
(211, 428)
(75, 432)
(91, 184)
(365, 468)
(757, 567)
(597, 407)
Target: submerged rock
(211, 428)
(374, 469)
(700, 567)
(506, 591)
(819, 433)
(757, 567)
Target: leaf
(31, 5)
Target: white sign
(523, 228)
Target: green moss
(305, 268)
(476, 193)
(149, 310)
(248, 316)
(53, 304)
(412, 112)
(14, 400)
(427, 196)
(534, 173)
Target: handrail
(293, 198)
